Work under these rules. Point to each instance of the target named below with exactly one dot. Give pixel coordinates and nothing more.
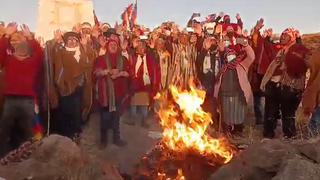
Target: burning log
(162, 163)
(186, 151)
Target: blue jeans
(143, 112)
(314, 124)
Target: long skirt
(233, 109)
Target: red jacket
(265, 52)
(22, 78)
(154, 73)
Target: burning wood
(185, 151)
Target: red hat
(226, 17)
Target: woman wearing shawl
(233, 87)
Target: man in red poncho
(111, 74)
(21, 58)
(283, 84)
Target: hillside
(312, 41)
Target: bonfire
(186, 150)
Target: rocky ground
(124, 158)
(58, 158)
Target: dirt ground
(125, 158)
(141, 140)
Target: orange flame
(185, 123)
(180, 176)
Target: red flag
(125, 19)
(134, 16)
(126, 16)
(96, 21)
(130, 10)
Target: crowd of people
(97, 68)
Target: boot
(144, 124)
(120, 143)
(116, 134)
(103, 140)
(117, 140)
(130, 122)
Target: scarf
(277, 63)
(233, 64)
(76, 51)
(109, 81)
(143, 61)
(207, 64)
(164, 67)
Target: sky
(278, 14)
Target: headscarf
(292, 33)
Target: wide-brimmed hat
(69, 34)
(110, 32)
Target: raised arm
(4, 42)
(239, 21)
(4, 45)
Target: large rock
(298, 169)
(310, 149)
(59, 158)
(274, 160)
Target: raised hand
(95, 32)
(11, 28)
(58, 35)
(297, 33)
(26, 31)
(77, 28)
(124, 44)
(84, 40)
(269, 32)
(221, 45)
(238, 16)
(259, 24)
(207, 43)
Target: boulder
(57, 157)
(298, 169)
(310, 149)
(260, 161)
